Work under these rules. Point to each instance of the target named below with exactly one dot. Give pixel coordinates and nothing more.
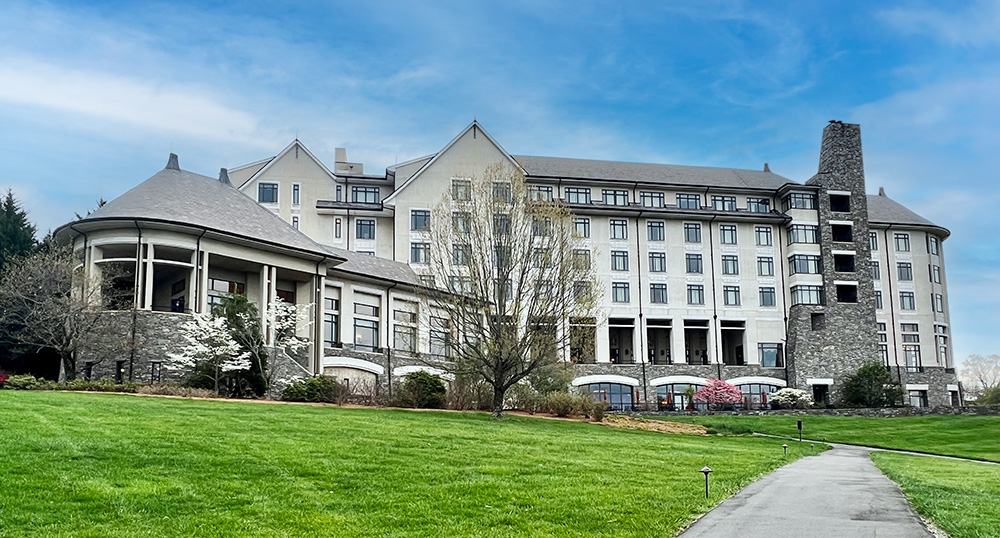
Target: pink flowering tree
(718, 393)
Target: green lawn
(117, 465)
(965, 436)
(963, 498)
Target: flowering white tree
(285, 318)
(210, 345)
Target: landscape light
(706, 469)
(785, 447)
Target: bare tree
(512, 277)
(46, 302)
(981, 373)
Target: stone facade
(832, 340)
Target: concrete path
(839, 493)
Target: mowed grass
(117, 465)
(953, 435)
(961, 497)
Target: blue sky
(93, 96)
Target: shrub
(718, 393)
(525, 398)
(990, 396)
(315, 389)
(561, 404)
(169, 389)
(467, 392)
(3, 378)
(422, 390)
(872, 386)
(597, 410)
(789, 398)
(22, 382)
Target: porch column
(148, 300)
(203, 275)
(319, 282)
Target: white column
(677, 352)
(203, 298)
(149, 277)
(318, 295)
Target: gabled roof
(180, 197)
(428, 164)
(380, 268)
(885, 210)
(668, 174)
(278, 157)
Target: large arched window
(677, 397)
(757, 395)
(619, 397)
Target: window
(843, 263)
(878, 300)
(581, 227)
(689, 201)
(577, 195)
(217, 288)
(730, 265)
(336, 228)
(840, 203)
(461, 190)
(696, 294)
(502, 192)
(155, 370)
(918, 398)
(460, 254)
(803, 233)
(902, 242)
(731, 295)
(842, 233)
(798, 200)
(804, 264)
(724, 203)
(461, 222)
(295, 222)
(460, 284)
(440, 341)
(365, 334)
(651, 199)
(936, 274)
(873, 240)
(770, 356)
(767, 296)
(933, 245)
(427, 280)
(365, 228)
(765, 266)
(295, 193)
(905, 270)
(939, 303)
(541, 227)
(540, 193)
(364, 195)
(331, 322)
(758, 205)
(763, 236)
(420, 220)
(420, 252)
(693, 263)
(618, 397)
(911, 338)
(615, 197)
(340, 190)
(847, 293)
(692, 232)
(501, 257)
(911, 352)
(405, 338)
(907, 301)
(267, 193)
(581, 259)
(619, 292)
(727, 234)
(818, 321)
(875, 271)
(657, 262)
(807, 295)
(654, 231)
(619, 229)
(501, 224)
(658, 293)
(619, 260)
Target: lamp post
(785, 448)
(706, 469)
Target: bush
(466, 392)
(525, 398)
(872, 386)
(597, 410)
(422, 390)
(718, 393)
(21, 382)
(789, 398)
(169, 389)
(990, 396)
(561, 404)
(3, 378)
(315, 389)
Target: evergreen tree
(17, 234)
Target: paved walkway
(839, 493)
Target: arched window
(757, 395)
(619, 397)
(677, 397)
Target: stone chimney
(172, 162)
(224, 177)
(840, 163)
(341, 166)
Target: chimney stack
(172, 163)
(224, 177)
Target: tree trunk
(498, 395)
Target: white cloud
(146, 104)
(976, 25)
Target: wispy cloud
(975, 25)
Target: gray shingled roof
(881, 208)
(381, 268)
(174, 195)
(655, 173)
